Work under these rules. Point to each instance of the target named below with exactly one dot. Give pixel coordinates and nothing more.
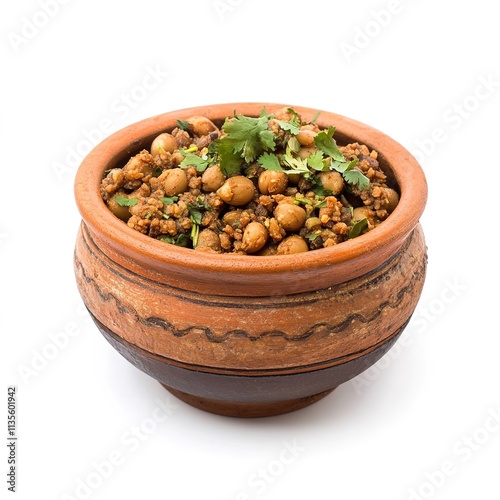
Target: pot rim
(344, 261)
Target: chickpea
(237, 190)
(332, 181)
(176, 182)
(177, 157)
(290, 217)
(122, 213)
(232, 218)
(306, 137)
(208, 239)
(212, 178)
(201, 125)
(361, 213)
(284, 114)
(393, 198)
(165, 142)
(313, 223)
(270, 249)
(292, 244)
(272, 182)
(304, 153)
(254, 237)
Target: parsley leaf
(291, 126)
(183, 124)
(351, 175)
(357, 178)
(270, 161)
(297, 165)
(126, 202)
(195, 214)
(200, 162)
(359, 227)
(168, 200)
(315, 161)
(326, 143)
(246, 138)
(181, 240)
(315, 117)
(230, 161)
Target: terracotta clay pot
(246, 335)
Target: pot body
(251, 356)
(247, 335)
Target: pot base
(252, 395)
(247, 410)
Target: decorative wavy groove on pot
(109, 290)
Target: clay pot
(246, 335)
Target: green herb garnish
(358, 228)
(126, 202)
(181, 240)
(200, 162)
(195, 232)
(270, 161)
(168, 200)
(291, 126)
(246, 138)
(183, 125)
(316, 161)
(357, 178)
(325, 142)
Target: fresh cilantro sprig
(289, 126)
(358, 228)
(183, 124)
(200, 162)
(270, 161)
(181, 240)
(244, 140)
(247, 139)
(126, 202)
(196, 210)
(350, 174)
(168, 200)
(317, 162)
(326, 143)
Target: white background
(421, 423)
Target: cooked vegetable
(238, 190)
(254, 237)
(271, 182)
(164, 142)
(175, 182)
(292, 244)
(212, 179)
(290, 217)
